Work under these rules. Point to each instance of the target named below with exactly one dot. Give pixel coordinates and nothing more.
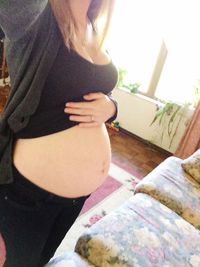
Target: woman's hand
(96, 111)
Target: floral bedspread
(68, 259)
(169, 184)
(141, 233)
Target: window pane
(177, 80)
(135, 39)
(182, 67)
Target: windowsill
(146, 98)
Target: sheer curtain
(190, 141)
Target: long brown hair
(99, 13)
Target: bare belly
(69, 163)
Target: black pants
(33, 221)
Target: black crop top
(70, 77)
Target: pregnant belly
(69, 163)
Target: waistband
(33, 191)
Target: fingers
(81, 118)
(85, 121)
(82, 104)
(78, 111)
(79, 105)
(82, 115)
(83, 111)
(93, 96)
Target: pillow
(191, 165)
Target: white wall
(136, 113)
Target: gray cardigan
(32, 40)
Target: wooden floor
(4, 91)
(138, 154)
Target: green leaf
(158, 114)
(172, 119)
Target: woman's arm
(17, 16)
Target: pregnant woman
(62, 153)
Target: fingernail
(68, 104)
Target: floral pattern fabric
(170, 185)
(192, 165)
(141, 233)
(70, 259)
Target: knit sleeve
(17, 16)
(116, 108)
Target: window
(182, 67)
(158, 44)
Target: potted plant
(123, 83)
(168, 116)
